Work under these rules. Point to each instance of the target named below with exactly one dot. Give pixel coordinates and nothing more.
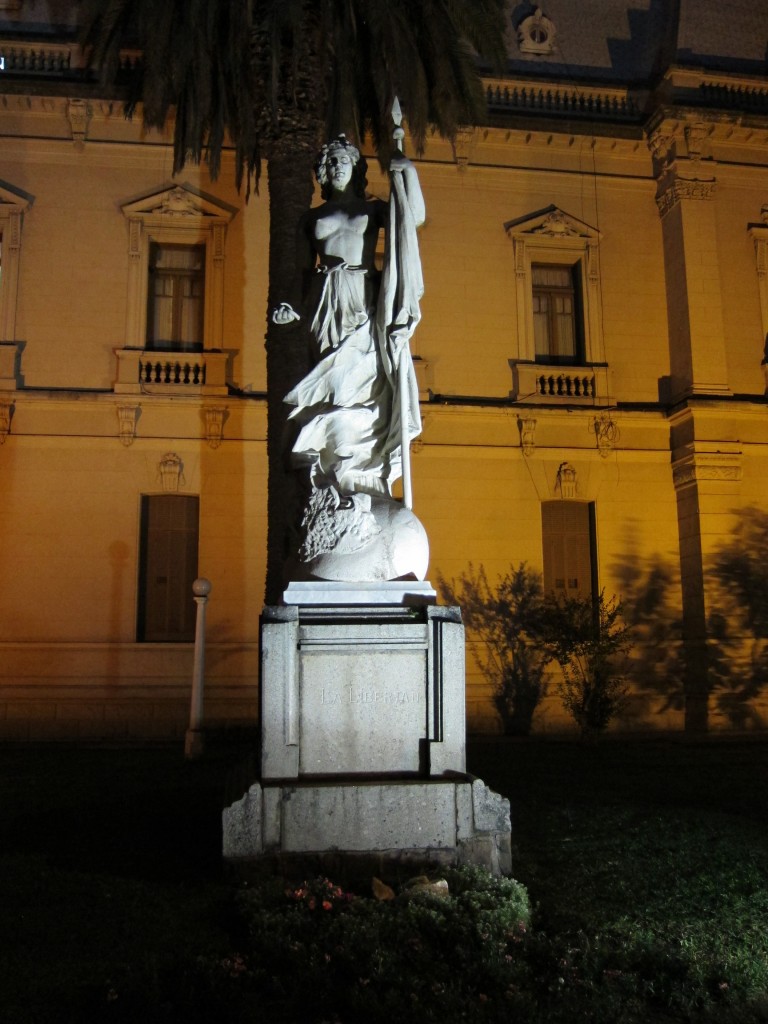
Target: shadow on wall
(738, 621)
(650, 595)
(737, 627)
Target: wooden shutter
(569, 548)
(168, 568)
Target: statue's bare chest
(342, 224)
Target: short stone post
(194, 741)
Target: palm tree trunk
(289, 171)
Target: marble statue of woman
(358, 406)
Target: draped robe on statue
(347, 406)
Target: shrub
(420, 957)
(588, 636)
(508, 620)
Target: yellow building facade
(589, 360)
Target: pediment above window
(554, 223)
(178, 203)
(13, 200)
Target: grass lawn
(645, 862)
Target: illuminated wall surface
(593, 327)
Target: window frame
(13, 206)
(553, 237)
(177, 275)
(553, 292)
(176, 216)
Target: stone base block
(432, 821)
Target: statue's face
(339, 168)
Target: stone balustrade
(580, 385)
(609, 103)
(140, 371)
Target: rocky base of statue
(360, 537)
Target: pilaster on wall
(759, 234)
(707, 477)
(685, 197)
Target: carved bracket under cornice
(463, 147)
(527, 427)
(79, 116)
(215, 415)
(127, 418)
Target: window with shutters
(175, 297)
(168, 568)
(570, 556)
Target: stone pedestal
(363, 735)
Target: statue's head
(338, 163)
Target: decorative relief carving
(6, 414)
(527, 428)
(14, 229)
(219, 234)
(566, 480)
(463, 147)
(558, 225)
(171, 470)
(127, 417)
(214, 424)
(536, 34)
(134, 239)
(684, 188)
(662, 147)
(696, 137)
(178, 202)
(696, 467)
(79, 116)
(519, 249)
(593, 263)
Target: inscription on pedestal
(357, 695)
(362, 712)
